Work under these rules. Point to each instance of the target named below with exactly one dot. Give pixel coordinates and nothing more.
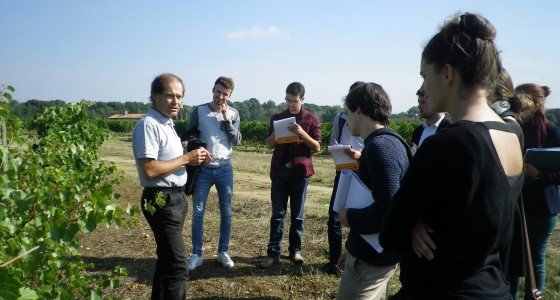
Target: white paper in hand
(283, 135)
(341, 160)
(353, 193)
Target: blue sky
(111, 50)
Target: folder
(544, 159)
(353, 193)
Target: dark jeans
(284, 187)
(171, 271)
(539, 229)
(334, 228)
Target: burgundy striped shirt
(297, 155)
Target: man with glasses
(290, 168)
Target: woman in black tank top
(452, 218)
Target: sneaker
(226, 261)
(296, 258)
(329, 269)
(194, 261)
(268, 262)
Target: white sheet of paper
(281, 128)
(340, 158)
(353, 193)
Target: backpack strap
(192, 132)
(341, 123)
(390, 131)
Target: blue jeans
(222, 177)
(284, 187)
(540, 229)
(170, 276)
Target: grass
(134, 248)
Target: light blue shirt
(219, 136)
(154, 137)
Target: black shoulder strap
(192, 132)
(390, 131)
(341, 123)
(497, 126)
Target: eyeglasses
(291, 101)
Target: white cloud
(258, 33)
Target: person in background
(434, 121)
(340, 135)
(469, 217)
(218, 124)
(508, 107)
(541, 197)
(290, 168)
(160, 163)
(382, 165)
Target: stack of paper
(341, 160)
(283, 135)
(353, 193)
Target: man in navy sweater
(383, 163)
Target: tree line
(249, 110)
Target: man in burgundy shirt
(290, 169)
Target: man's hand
(295, 128)
(353, 153)
(198, 156)
(224, 110)
(271, 140)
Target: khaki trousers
(362, 280)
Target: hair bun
(546, 90)
(477, 26)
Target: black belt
(172, 189)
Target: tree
(49, 195)
(242, 109)
(413, 112)
(553, 115)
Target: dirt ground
(134, 248)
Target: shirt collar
(436, 124)
(161, 118)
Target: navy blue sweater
(382, 166)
